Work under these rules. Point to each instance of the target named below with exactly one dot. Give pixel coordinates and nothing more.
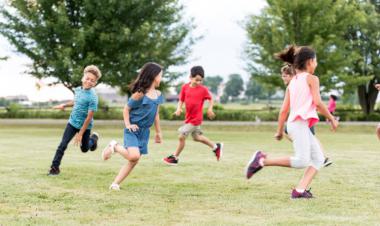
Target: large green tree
(213, 82)
(321, 24)
(254, 90)
(61, 37)
(364, 39)
(234, 86)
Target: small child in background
(81, 118)
(193, 94)
(331, 106)
(139, 114)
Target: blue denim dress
(142, 113)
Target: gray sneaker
(327, 162)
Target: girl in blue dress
(139, 115)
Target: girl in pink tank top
(302, 99)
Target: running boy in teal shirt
(81, 118)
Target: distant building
(111, 95)
(20, 99)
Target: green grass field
(199, 191)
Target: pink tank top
(301, 100)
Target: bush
(166, 113)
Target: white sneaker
(115, 187)
(109, 150)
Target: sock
(300, 190)
(261, 162)
(215, 147)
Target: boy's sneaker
(109, 150)
(218, 151)
(301, 195)
(95, 138)
(327, 162)
(115, 187)
(255, 164)
(171, 160)
(54, 171)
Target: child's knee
(299, 163)
(195, 138)
(134, 155)
(182, 137)
(317, 163)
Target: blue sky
(220, 51)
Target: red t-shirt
(194, 97)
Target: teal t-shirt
(84, 100)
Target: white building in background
(111, 95)
(20, 99)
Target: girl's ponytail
(287, 55)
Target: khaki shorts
(188, 128)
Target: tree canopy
(327, 26)
(61, 37)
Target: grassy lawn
(199, 191)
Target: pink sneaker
(109, 150)
(301, 195)
(255, 164)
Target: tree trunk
(367, 97)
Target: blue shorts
(138, 139)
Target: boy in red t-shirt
(193, 94)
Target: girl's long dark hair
(297, 56)
(145, 78)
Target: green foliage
(364, 40)
(234, 86)
(13, 108)
(62, 37)
(321, 24)
(254, 90)
(213, 82)
(4, 102)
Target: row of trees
(345, 34)
(234, 87)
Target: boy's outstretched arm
(64, 105)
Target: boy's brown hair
(288, 69)
(93, 70)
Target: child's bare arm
(157, 126)
(64, 105)
(210, 112)
(178, 111)
(283, 115)
(131, 127)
